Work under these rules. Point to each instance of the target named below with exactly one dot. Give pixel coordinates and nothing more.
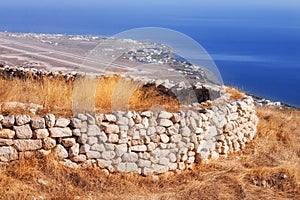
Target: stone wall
(140, 142)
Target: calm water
(256, 47)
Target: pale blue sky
(209, 3)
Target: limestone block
(23, 132)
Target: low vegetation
(57, 95)
(235, 94)
(268, 168)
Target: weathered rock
(130, 157)
(28, 145)
(214, 155)
(69, 164)
(84, 148)
(145, 122)
(172, 130)
(123, 121)
(68, 142)
(8, 121)
(22, 119)
(76, 123)
(147, 171)
(160, 129)
(102, 137)
(147, 114)
(103, 163)
(110, 118)
(109, 147)
(155, 138)
(172, 157)
(60, 152)
(90, 119)
(98, 147)
(176, 118)
(151, 146)
(49, 143)
(76, 132)
(40, 133)
(164, 138)
(127, 167)
(93, 130)
(92, 140)
(172, 166)
(111, 128)
(108, 155)
(113, 138)
(164, 161)
(79, 158)
(176, 138)
(84, 126)
(165, 115)
(165, 122)
(60, 132)
(121, 149)
(82, 117)
(144, 163)
(159, 169)
(50, 120)
(185, 132)
(99, 118)
(7, 133)
(6, 142)
(137, 118)
(83, 138)
(211, 132)
(23, 132)
(233, 116)
(38, 123)
(74, 150)
(8, 154)
(62, 122)
(138, 148)
(93, 154)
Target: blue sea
(255, 45)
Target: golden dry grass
(235, 93)
(56, 95)
(268, 168)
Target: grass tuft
(235, 93)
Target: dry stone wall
(140, 142)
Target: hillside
(268, 168)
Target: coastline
(260, 100)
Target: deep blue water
(255, 46)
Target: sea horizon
(256, 48)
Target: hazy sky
(292, 4)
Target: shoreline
(93, 37)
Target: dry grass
(268, 168)
(57, 95)
(235, 93)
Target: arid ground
(268, 168)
